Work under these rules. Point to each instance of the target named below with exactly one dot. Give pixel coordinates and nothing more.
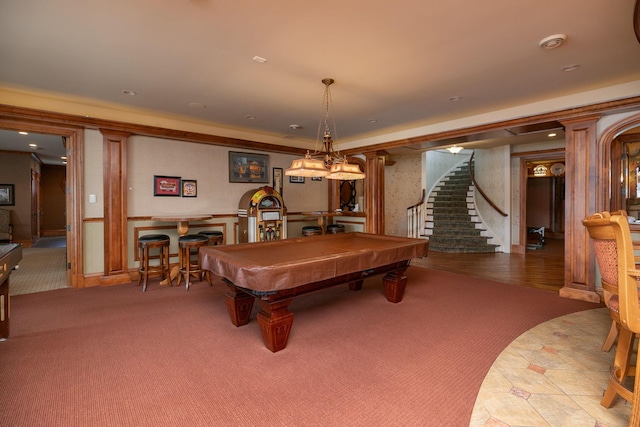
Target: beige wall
(402, 188)
(207, 164)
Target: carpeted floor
(117, 356)
(41, 269)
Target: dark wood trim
(39, 117)
(374, 193)
(581, 184)
(114, 144)
(438, 139)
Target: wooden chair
(626, 302)
(6, 228)
(600, 230)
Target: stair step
(451, 249)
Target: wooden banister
(415, 218)
(475, 184)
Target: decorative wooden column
(114, 145)
(374, 193)
(580, 202)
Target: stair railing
(475, 184)
(415, 218)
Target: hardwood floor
(542, 268)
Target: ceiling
(397, 65)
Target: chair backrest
(628, 275)
(601, 231)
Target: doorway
(543, 204)
(73, 138)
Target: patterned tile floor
(552, 375)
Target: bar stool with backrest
(215, 237)
(189, 247)
(600, 230)
(621, 271)
(146, 243)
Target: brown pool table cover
(289, 263)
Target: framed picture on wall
(189, 188)
(296, 179)
(166, 185)
(248, 167)
(6, 195)
(277, 180)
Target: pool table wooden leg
(275, 323)
(356, 285)
(239, 305)
(395, 283)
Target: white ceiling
(396, 63)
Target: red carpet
(117, 357)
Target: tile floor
(552, 375)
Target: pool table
(276, 272)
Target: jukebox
(262, 216)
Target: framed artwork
(189, 188)
(296, 179)
(277, 180)
(248, 167)
(7, 197)
(166, 185)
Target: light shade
(325, 163)
(455, 149)
(345, 171)
(308, 167)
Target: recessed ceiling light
(372, 121)
(295, 127)
(23, 133)
(129, 92)
(259, 59)
(34, 146)
(552, 134)
(455, 98)
(570, 67)
(63, 157)
(553, 41)
(250, 117)
(197, 105)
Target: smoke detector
(553, 41)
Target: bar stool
(187, 244)
(215, 237)
(335, 228)
(311, 230)
(153, 241)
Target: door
(35, 206)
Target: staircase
(452, 224)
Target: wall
(539, 192)
(492, 175)
(402, 188)
(15, 168)
(207, 164)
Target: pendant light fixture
(325, 162)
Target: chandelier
(325, 163)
